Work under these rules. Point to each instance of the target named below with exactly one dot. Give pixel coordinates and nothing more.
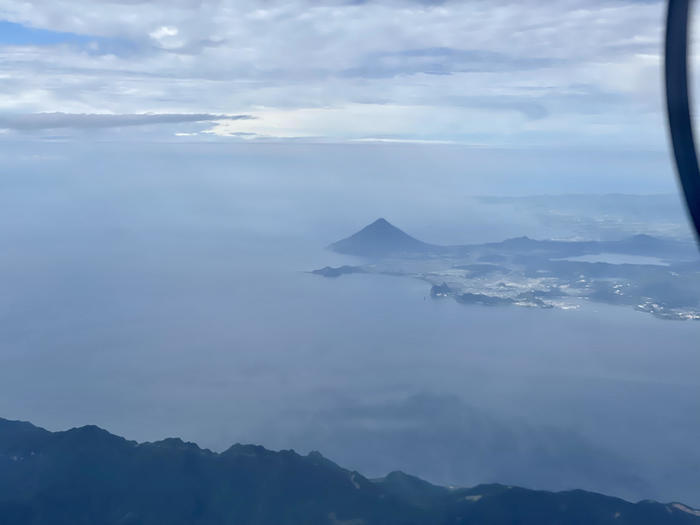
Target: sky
(496, 73)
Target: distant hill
(87, 476)
(641, 244)
(380, 239)
(329, 271)
(383, 239)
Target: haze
(168, 180)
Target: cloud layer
(497, 72)
(42, 121)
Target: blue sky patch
(14, 34)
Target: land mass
(88, 476)
(656, 275)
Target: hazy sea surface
(220, 342)
(163, 304)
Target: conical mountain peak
(380, 239)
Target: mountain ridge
(382, 239)
(87, 475)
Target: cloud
(442, 61)
(163, 32)
(42, 121)
(167, 37)
(497, 58)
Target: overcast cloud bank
(496, 73)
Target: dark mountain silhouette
(380, 239)
(383, 239)
(87, 476)
(329, 271)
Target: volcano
(381, 239)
